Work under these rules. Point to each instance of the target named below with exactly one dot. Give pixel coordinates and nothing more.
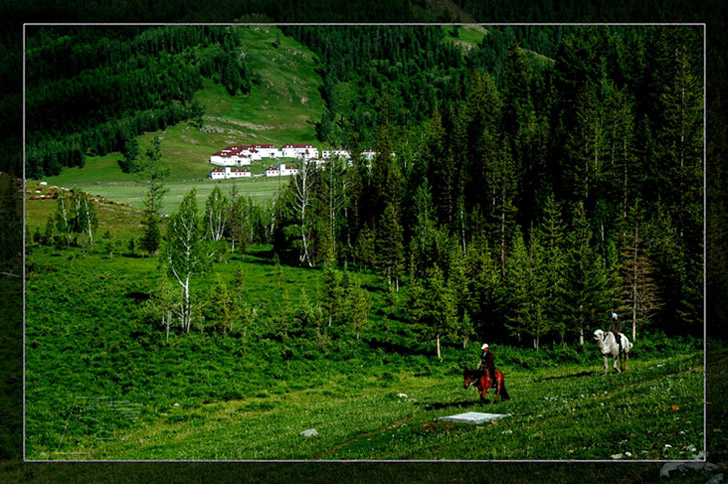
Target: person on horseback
(615, 328)
(486, 361)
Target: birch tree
(83, 219)
(64, 222)
(337, 197)
(303, 198)
(186, 252)
(217, 208)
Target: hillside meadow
(102, 383)
(283, 107)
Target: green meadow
(102, 383)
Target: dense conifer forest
(533, 183)
(551, 176)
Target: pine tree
(152, 173)
(225, 308)
(484, 272)
(433, 308)
(550, 234)
(640, 293)
(527, 291)
(331, 292)
(247, 316)
(458, 283)
(585, 147)
(130, 153)
(681, 142)
(504, 208)
(359, 304)
(625, 175)
(587, 281)
(364, 250)
(423, 233)
(390, 249)
(239, 225)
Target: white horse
(608, 346)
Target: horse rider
(615, 328)
(486, 361)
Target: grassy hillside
(102, 383)
(282, 108)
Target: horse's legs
(606, 365)
(616, 357)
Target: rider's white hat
(485, 345)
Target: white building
(266, 151)
(303, 151)
(287, 170)
(326, 154)
(281, 170)
(227, 172)
(368, 154)
(232, 155)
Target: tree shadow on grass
(573, 375)
(448, 405)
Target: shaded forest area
(92, 91)
(543, 193)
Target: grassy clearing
(468, 36)
(261, 190)
(102, 384)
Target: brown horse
(483, 381)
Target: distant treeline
(92, 89)
(567, 185)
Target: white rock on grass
(617, 456)
(402, 395)
(309, 433)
